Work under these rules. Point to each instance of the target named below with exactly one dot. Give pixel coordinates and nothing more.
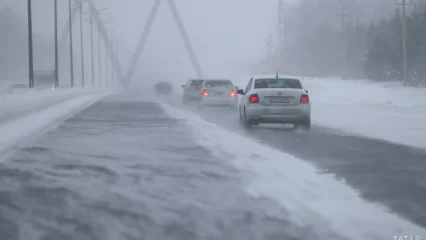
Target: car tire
(306, 124)
(246, 124)
(240, 117)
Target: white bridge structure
(126, 76)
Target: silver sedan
(274, 100)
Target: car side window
(248, 86)
(188, 83)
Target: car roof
(218, 79)
(195, 79)
(274, 76)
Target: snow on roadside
(385, 111)
(44, 120)
(316, 201)
(365, 93)
(14, 105)
(379, 110)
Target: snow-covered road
(129, 167)
(19, 104)
(125, 169)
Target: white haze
(227, 35)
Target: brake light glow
(304, 98)
(233, 93)
(204, 93)
(254, 98)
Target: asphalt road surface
(384, 172)
(124, 170)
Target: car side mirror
(240, 91)
(183, 86)
(306, 91)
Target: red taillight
(204, 93)
(304, 98)
(254, 98)
(233, 93)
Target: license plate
(279, 100)
(219, 94)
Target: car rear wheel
(246, 124)
(306, 124)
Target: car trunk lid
(279, 97)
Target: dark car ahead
(163, 88)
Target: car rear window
(277, 83)
(219, 83)
(163, 84)
(195, 83)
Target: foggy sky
(226, 34)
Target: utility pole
(281, 29)
(304, 36)
(112, 75)
(112, 67)
(99, 59)
(118, 57)
(81, 43)
(56, 45)
(343, 14)
(116, 51)
(91, 48)
(305, 25)
(269, 44)
(404, 42)
(106, 65)
(30, 47)
(71, 50)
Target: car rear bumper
(261, 114)
(278, 119)
(163, 91)
(192, 97)
(219, 101)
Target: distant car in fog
(192, 90)
(163, 88)
(274, 99)
(218, 92)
